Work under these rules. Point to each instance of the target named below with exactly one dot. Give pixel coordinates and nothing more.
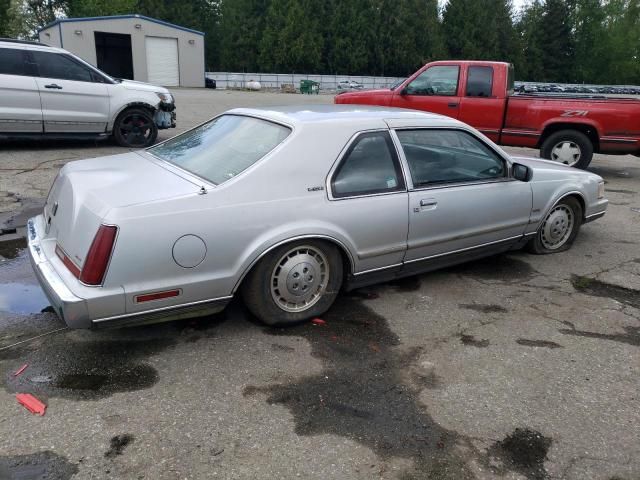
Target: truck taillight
(97, 261)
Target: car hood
(365, 96)
(549, 170)
(141, 86)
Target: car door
(432, 90)
(368, 200)
(483, 104)
(74, 98)
(20, 110)
(461, 195)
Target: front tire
(293, 283)
(135, 128)
(570, 147)
(559, 228)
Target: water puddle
(36, 466)
(19, 290)
(21, 298)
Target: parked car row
(49, 92)
(591, 90)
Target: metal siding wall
(190, 56)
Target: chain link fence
(277, 80)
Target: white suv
(49, 92)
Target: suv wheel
(135, 128)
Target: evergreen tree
(293, 39)
(588, 24)
(557, 35)
(529, 28)
(621, 63)
(348, 36)
(480, 30)
(5, 18)
(242, 24)
(99, 8)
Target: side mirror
(521, 172)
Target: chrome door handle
(428, 202)
(53, 85)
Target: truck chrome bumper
(70, 308)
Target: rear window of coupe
(222, 148)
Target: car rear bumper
(76, 312)
(70, 308)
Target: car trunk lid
(84, 192)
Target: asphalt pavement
(513, 367)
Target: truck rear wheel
(570, 147)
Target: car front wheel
(559, 228)
(135, 128)
(293, 283)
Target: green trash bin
(309, 87)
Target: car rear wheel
(135, 128)
(559, 228)
(569, 147)
(293, 283)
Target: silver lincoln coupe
(286, 207)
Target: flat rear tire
(294, 282)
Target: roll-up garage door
(162, 61)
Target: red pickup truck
(566, 128)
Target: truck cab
(567, 128)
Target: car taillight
(95, 265)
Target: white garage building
(133, 47)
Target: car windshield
(222, 148)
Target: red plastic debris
(318, 321)
(20, 370)
(31, 403)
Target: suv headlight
(600, 190)
(165, 97)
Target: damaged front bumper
(165, 116)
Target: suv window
(370, 166)
(480, 82)
(438, 80)
(12, 62)
(56, 65)
(448, 156)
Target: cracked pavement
(513, 367)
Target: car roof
(305, 114)
(28, 45)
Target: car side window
(437, 80)
(437, 156)
(13, 62)
(370, 166)
(479, 82)
(56, 65)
